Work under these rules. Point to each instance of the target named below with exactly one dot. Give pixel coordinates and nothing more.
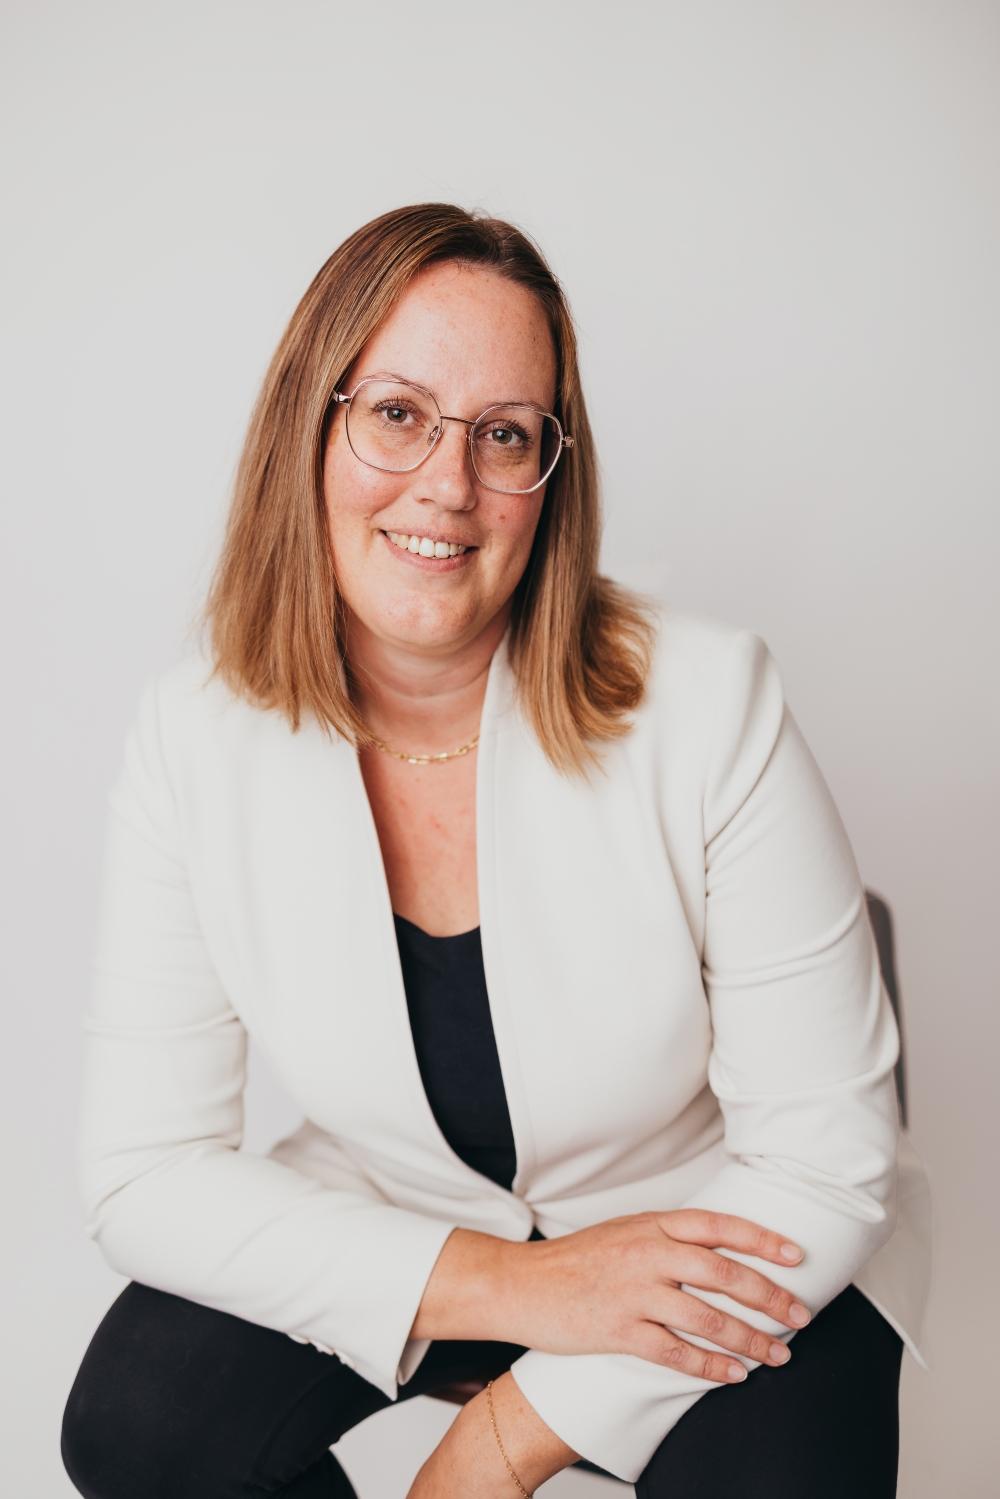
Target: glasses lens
(391, 424)
(515, 447)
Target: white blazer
(683, 983)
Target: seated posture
(532, 892)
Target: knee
(134, 1419)
(82, 1443)
(106, 1452)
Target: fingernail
(790, 1252)
(737, 1371)
(780, 1353)
(798, 1314)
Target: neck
(421, 701)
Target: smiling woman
(472, 334)
(578, 1054)
(429, 379)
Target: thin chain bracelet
(510, 1470)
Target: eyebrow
(408, 380)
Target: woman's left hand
(467, 1463)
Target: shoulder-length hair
(580, 643)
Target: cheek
(353, 494)
(516, 530)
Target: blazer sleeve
(804, 1043)
(169, 1197)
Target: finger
(659, 1345)
(717, 1272)
(680, 1312)
(728, 1231)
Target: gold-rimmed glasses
(394, 425)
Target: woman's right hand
(614, 1287)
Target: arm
(474, 1289)
(468, 1460)
(804, 1046)
(169, 1197)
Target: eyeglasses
(394, 425)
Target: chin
(410, 621)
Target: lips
(470, 546)
(441, 566)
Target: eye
(506, 434)
(396, 407)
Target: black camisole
(456, 1049)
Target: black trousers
(174, 1400)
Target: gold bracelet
(510, 1470)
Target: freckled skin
(472, 337)
(421, 641)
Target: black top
(453, 1035)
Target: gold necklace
(424, 759)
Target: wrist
(513, 1268)
(476, 1290)
(532, 1448)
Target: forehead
(470, 335)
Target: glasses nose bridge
(439, 434)
(464, 419)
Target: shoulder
(704, 664)
(184, 716)
(183, 693)
(713, 708)
(192, 745)
(716, 688)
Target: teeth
(423, 545)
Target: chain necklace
(424, 759)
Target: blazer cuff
(616, 1408)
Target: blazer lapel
(579, 914)
(337, 1016)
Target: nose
(446, 474)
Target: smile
(417, 551)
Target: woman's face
(473, 338)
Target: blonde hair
(580, 643)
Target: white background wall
(777, 224)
